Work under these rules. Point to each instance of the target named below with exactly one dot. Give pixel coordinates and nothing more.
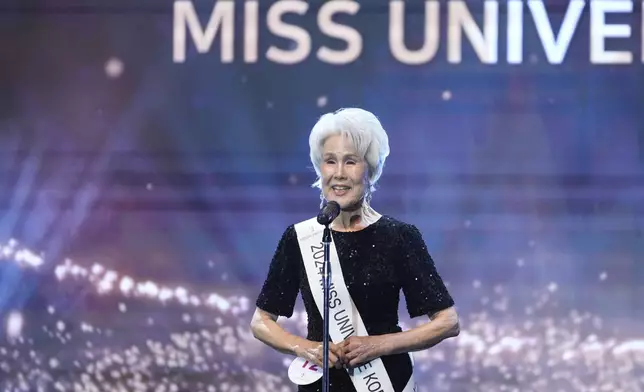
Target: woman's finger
(332, 359)
(352, 355)
(339, 353)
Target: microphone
(328, 213)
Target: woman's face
(344, 172)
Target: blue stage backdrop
(152, 153)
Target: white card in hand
(303, 372)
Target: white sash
(344, 318)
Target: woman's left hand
(362, 349)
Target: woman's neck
(355, 220)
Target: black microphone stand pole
(326, 241)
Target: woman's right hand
(312, 351)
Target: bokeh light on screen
(114, 67)
(211, 345)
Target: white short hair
(361, 127)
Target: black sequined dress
(377, 263)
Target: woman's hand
(312, 351)
(358, 350)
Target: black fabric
(377, 263)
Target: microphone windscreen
(328, 213)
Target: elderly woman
(375, 256)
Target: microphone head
(328, 213)
(334, 208)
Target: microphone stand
(326, 241)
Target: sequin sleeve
(281, 286)
(422, 286)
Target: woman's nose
(339, 171)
